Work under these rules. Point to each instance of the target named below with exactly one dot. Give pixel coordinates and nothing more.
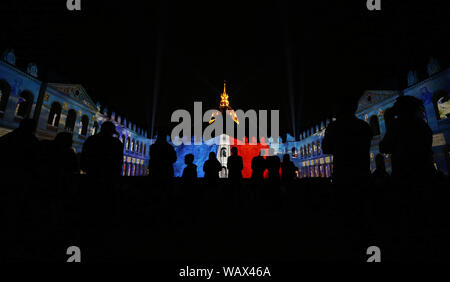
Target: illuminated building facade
(375, 108)
(63, 108)
(68, 108)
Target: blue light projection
(200, 152)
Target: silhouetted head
(212, 155)
(234, 151)
(262, 152)
(108, 128)
(189, 159)
(286, 158)
(162, 133)
(409, 106)
(64, 140)
(27, 126)
(379, 162)
(345, 106)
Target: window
(24, 105)
(128, 143)
(55, 114)
(294, 152)
(5, 89)
(84, 125)
(319, 150)
(94, 129)
(441, 103)
(70, 120)
(375, 125)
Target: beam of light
(284, 12)
(159, 51)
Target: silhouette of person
(190, 171)
(258, 166)
(287, 169)
(65, 157)
(380, 177)
(19, 150)
(273, 164)
(348, 139)
(409, 141)
(162, 157)
(102, 154)
(212, 167)
(235, 165)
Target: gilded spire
(224, 106)
(224, 97)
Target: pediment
(76, 92)
(373, 97)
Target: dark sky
(271, 54)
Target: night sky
(271, 54)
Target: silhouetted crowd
(44, 199)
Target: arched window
(224, 152)
(294, 152)
(127, 146)
(94, 129)
(55, 114)
(132, 145)
(309, 150)
(319, 149)
(140, 148)
(70, 120)
(5, 89)
(145, 149)
(137, 147)
(375, 125)
(124, 169)
(441, 103)
(314, 149)
(24, 105)
(84, 125)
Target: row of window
(324, 170)
(55, 116)
(53, 120)
(130, 169)
(134, 146)
(309, 150)
(24, 103)
(24, 106)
